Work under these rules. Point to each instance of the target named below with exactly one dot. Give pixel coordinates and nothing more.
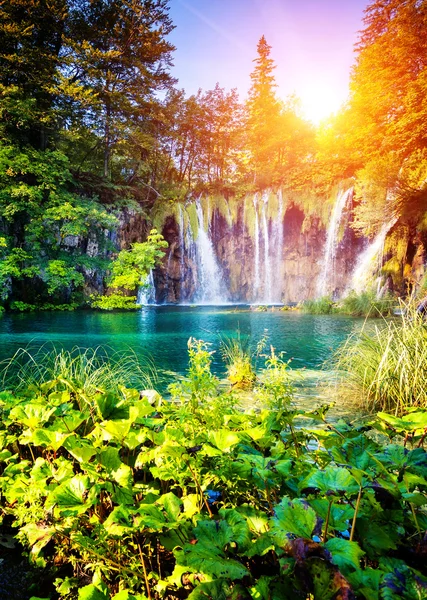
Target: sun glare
(318, 103)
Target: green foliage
(238, 359)
(200, 499)
(366, 304)
(115, 302)
(129, 271)
(80, 372)
(385, 366)
(131, 267)
(320, 306)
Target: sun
(318, 102)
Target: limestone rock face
(264, 255)
(283, 269)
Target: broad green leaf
(375, 537)
(90, 592)
(340, 515)
(31, 415)
(346, 555)
(117, 430)
(208, 555)
(212, 590)
(224, 439)
(44, 438)
(191, 505)
(140, 410)
(366, 582)
(119, 522)
(293, 517)
(239, 526)
(413, 422)
(331, 480)
(80, 449)
(171, 504)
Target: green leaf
(366, 582)
(414, 422)
(208, 555)
(345, 554)
(331, 480)
(90, 592)
(31, 415)
(172, 505)
(293, 517)
(340, 515)
(213, 590)
(224, 439)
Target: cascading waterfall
(279, 243)
(256, 284)
(267, 298)
(266, 271)
(326, 281)
(370, 261)
(147, 293)
(211, 288)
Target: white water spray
(326, 281)
(370, 261)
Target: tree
(129, 271)
(119, 51)
(263, 115)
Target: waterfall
(211, 289)
(181, 239)
(257, 234)
(267, 297)
(326, 281)
(370, 261)
(279, 244)
(147, 292)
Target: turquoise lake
(161, 332)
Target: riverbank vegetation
(116, 497)
(384, 367)
(365, 304)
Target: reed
(384, 367)
(89, 371)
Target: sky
(312, 46)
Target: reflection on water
(162, 333)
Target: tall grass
(88, 371)
(237, 357)
(366, 304)
(319, 306)
(384, 367)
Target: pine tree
(263, 115)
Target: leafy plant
(195, 498)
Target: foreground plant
(385, 367)
(196, 499)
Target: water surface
(162, 332)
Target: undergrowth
(119, 498)
(365, 304)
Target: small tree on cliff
(263, 116)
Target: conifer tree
(263, 115)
